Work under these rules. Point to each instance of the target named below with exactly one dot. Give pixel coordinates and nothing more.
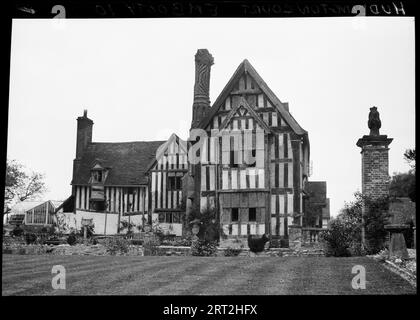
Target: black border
(151, 307)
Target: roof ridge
(246, 66)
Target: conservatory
(34, 213)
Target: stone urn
(397, 246)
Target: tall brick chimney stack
(203, 62)
(84, 134)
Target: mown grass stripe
(114, 282)
(142, 282)
(184, 284)
(147, 284)
(90, 276)
(84, 268)
(33, 263)
(49, 264)
(199, 275)
(248, 278)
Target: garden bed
(65, 249)
(100, 249)
(147, 245)
(407, 269)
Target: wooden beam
(246, 91)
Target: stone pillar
(295, 236)
(375, 176)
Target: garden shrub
(151, 246)
(376, 217)
(343, 236)
(44, 230)
(136, 242)
(232, 252)
(336, 239)
(71, 239)
(115, 245)
(17, 231)
(204, 248)
(30, 238)
(207, 219)
(49, 231)
(356, 249)
(183, 242)
(129, 226)
(180, 242)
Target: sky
(135, 77)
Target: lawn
(105, 275)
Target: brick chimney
(84, 134)
(203, 62)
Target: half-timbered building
(246, 157)
(254, 160)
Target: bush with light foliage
(117, 245)
(204, 248)
(344, 234)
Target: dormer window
(97, 176)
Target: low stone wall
(288, 252)
(136, 250)
(174, 251)
(67, 250)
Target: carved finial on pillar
(374, 123)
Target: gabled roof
(22, 207)
(244, 103)
(317, 191)
(164, 147)
(126, 161)
(246, 67)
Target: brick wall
(375, 177)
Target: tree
(375, 218)
(208, 221)
(410, 157)
(21, 186)
(404, 184)
(344, 234)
